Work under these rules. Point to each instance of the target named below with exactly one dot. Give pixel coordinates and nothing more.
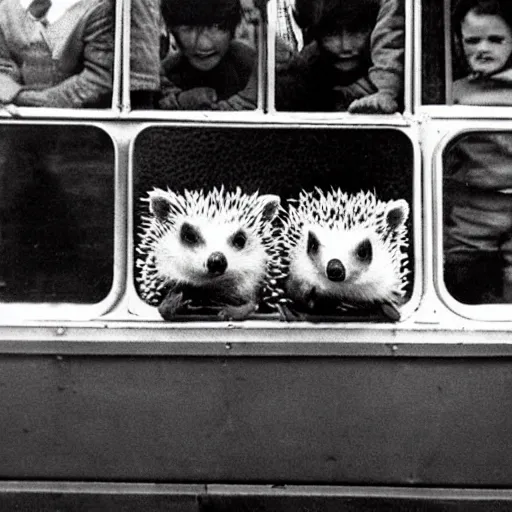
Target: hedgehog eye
(313, 243)
(239, 239)
(189, 234)
(364, 251)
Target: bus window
(194, 55)
(56, 213)
(281, 162)
(57, 55)
(482, 33)
(466, 49)
(477, 218)
(344, 56)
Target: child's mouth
(344, 61)
(205, 56)
(484, 59)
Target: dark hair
(321, 17)
(202, 13)
(502, 8)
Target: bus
(107, 406)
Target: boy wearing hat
(211, 66)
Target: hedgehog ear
(271, 205)
(397, 213)
(159, 205)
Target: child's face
(203, 47)
(347, 49)
(487, 42)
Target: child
(483, 30)
(56, 54)
(354, 60)
(211, 67)
(478, 175)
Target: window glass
(269, 161)
(56, 54)
(482, 33)
(56, 213)
(339, 56)
(434, 41)
(477, 218)
(473, 38)
(194, 55)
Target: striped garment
(287, 29)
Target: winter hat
(227, 14)
(325, 16)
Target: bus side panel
(332, 420)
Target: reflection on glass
(56, 214)
(433, 76)
(478, 218)
(56, 54)
(206, 52)
(341, 55)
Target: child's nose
(204, 39)
(346, 41)
(483, 45)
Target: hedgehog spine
(350, 249)
(218, 242)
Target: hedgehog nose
(217, 263)
(335, 271)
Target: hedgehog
(342, 252)
(208, 251)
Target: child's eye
(496, 39)
(471, 40)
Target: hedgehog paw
(289, 314)
(172, 305)
(237, 312)
(390, 311)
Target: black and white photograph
(256, 255)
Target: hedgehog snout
(335, 271)
(217, 263)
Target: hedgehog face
(357, 258)
(217, 240)
(339, 257)
(343, 248)
(342, 264)
(203, 252)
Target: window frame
(445, 132)
(20, 312)
(114, 112)
(138, 308)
